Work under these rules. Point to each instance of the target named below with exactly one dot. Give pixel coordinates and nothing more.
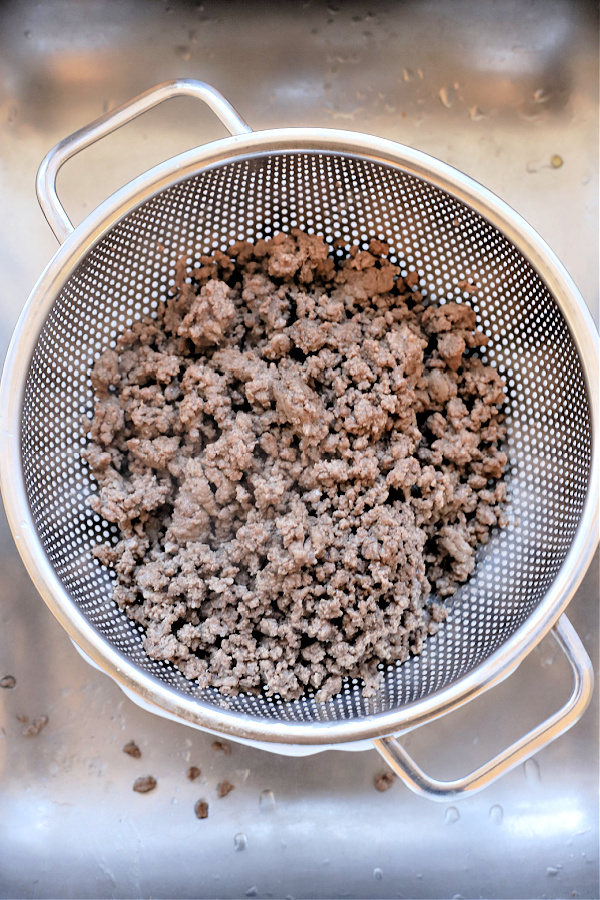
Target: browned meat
(298, 454)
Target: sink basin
(504, 91)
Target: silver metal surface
(108, 123)
(356, 186)
(401, 762)
(514, 838)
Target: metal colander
(115, 268)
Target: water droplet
(452, 815)
(378, 874)
(266, 801)
(476, 114)
(529, 117)
(533, 166)
(252, 891)
(551, 871)
(240, 841)
(407, 74)
(532, 771)
(496, 814)
(541, 96)
(446, 95)
(458, 897)
(184, 52)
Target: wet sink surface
(506, 92)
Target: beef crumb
(132, 749)
(33, 728)
(201, 809)
(193, 772)
(223, 746)
(224, 788)
(302, 455)
(384, 781)
(144, 783)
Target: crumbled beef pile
(300, 454)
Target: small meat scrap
(201, 809)
(384, 781)
(465, 285)
(132, 749)
(223, 746)
(193, 772)
(33, 728)
(8, 682)
(144, 784)
(224, 788)
(302, 454)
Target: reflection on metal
(414, 777)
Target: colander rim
(58, 271)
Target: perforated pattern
(125, 275)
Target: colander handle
(405, 767)
(52, 208)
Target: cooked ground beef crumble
(299, 454)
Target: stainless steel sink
(506, 92)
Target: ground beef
(302, 457)
(132, 749)
(201, 809)
(384, 781)
(224, 788)
(144, 784)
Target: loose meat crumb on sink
(302, 456)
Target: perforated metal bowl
(119, 262)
